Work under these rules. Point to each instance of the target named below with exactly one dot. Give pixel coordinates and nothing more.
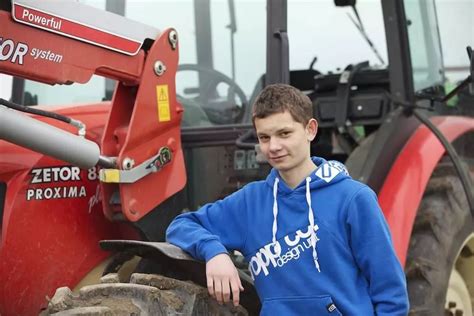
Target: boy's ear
(312, 129)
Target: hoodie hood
(327, 173)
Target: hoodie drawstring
(277, 249)
(313, 237)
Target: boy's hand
(222, 278)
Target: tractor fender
(403, 189)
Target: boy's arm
(207, 234)
(373, 250)
(212, 229)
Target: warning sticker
(162, 97)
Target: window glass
(6, 86)
(425, 49)
(93, 91)
(222, 57)
(455, 58)
(319, 29)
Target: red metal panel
(404, 186)
(73, 29)
(49, 240)
(142, 120)
(51, 58)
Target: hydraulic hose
(414, 109)
(31, 110)
(463, 175)
(56, 116)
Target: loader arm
(68, 43)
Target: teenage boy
(316, 241)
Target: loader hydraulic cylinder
(33, 134)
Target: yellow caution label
(162, 97)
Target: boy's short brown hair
(277, 98)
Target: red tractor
(117, 168)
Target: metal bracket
(154, 164)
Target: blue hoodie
(322, 248)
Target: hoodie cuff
(212, 248)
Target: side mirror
(344, 3)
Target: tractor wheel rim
(460, 294)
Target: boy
(316, 241)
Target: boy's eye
(285, 134)
(263, 138)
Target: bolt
(159, 68)
(128, 163)
(173, 39)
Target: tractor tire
(441, 246)
(145, 295)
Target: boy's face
(285, 142)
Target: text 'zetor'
(14, 52)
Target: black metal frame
(18, 90)
(397, 127)
(278, 65)
(6, 5)
(398, 49)
(204, 54)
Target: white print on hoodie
(269, 254)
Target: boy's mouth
(278, 158)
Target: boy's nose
(274, 144)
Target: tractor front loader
(138, 158)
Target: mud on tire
(442, 224)
(145, 294)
